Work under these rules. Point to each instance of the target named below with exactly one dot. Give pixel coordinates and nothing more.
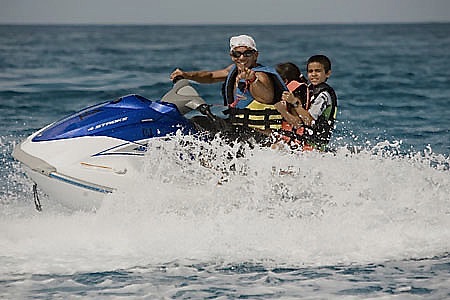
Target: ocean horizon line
(220, 24)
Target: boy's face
(317, 74)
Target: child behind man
(308, 116)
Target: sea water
(369, 220)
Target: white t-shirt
(319, 104)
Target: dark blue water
(367, 225)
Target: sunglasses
(246, 53)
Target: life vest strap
(241, 116)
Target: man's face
(243, 56)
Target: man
(250, 90)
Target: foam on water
(207, 202)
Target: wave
(235, 203)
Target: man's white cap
(242, 41)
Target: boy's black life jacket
(319, 133)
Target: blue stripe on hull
(94, 188)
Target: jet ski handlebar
(205, 109)
(186, 98)
(177, 78)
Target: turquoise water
(371, 220)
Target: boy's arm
(292, 119)
(319, 104)
(303, 114)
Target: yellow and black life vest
(244, 110)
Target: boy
(311, 126)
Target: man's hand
(245, 73)
(177, 72)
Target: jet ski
(85, 156)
